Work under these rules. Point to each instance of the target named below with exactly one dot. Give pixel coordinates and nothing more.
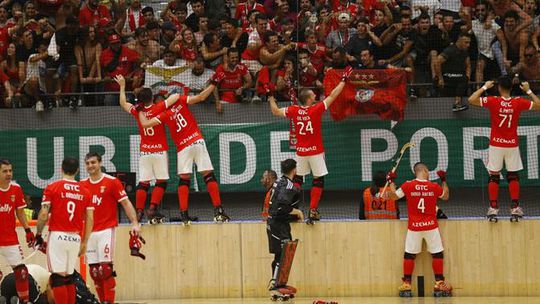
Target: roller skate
(186, 219)
(314, 216)
(154, 217)
(282, 294)
(324, 302)
(442, 289)
(405, 290)
(220, 216)
(516, 214)
(492, 214)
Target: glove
(442, 175)
(391, 176)
(39, 240)
(135, 245)
(30, 238)
(217, 78)
(270, 89)
(43, 247)
(346, 73)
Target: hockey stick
(401, 153)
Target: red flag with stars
(382, 92)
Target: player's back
(422, 198)
(153, 139)
(106, 193)
(182, 124)
(68, 201)
(308, 127)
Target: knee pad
(210, 177)
(106, 271)
(298, 179)
(58, 280)
(318, 182)
(494, 178)
(512, 176)
(184, 182)
(409, 256)
(161, 184)
(438, 255)
(21, 272)
(143, 186)
(94, 272)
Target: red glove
(30, 238)
(391, 176)
(43, 247)
(135, 245)
(442, 175)
(217, 78)
(270, 89)
(346, 73)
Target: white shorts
(312, 163)
(413, 241)
(100, 247)
(196, 152)
(13, 254)
(62, 251)
(509, 156)
(153, 166)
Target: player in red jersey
(504, 142)
(70, 207)
(307, 119)
(422, 198)
(191, 148)
(153, 160)
(106, 191)
(12, 204)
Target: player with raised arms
(191, 148)
(307, 119)
(422, 195)
(69, 206)
(504, 141)
(12, 204)
(106, 191)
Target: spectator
(33, 83)
(169, 60)
(88, 54)
(428, 7)
(382, 19)
(324, 26)
(367, 61)
(287, 77)
(148, 49)
(282, 13)
(339, 58)
(198, 80)
(152, 27)
(10, 68)
(272, 53)
(25, 49)
(317, 52)
(233, 36)
(363, 39)
(203, 29)
(250, 57)
(501, 7)
(8, 94)
(185, 46)
(373, 205)
(134, 18)
(452, 75)
(288, 32)
(308, 75)
(92, 12)
(400, 37)
(30, 16)
(212, 51)
(307, 10)
(118, 60)
(529, 68)
(179, 17)
(4, 22)
(168, 34)
(45, 30)
(148, 14)
(340, 37)
(422, 48)
(516, 36)
(243, 10)
(192, 20)
(237, 79)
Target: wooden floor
(377, 300)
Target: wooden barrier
(334, 259)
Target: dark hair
(466, 35)
(181, 7)
(168, 51)
(272, 173)
(232, 50)
(367, 49)
(209, 38)
(147, 9)
(288, 165)
(232, 22)
(70, 165)
(511, 14)
(93, 154)
(72, 20)
(214, 24)
(261, 16)
(197, 1)
(379, 180)
(362, 20)
(424, 16)
(303, 51)
(145, 95)
(140, 31)
(151, 25)
(4, 162)
(269, 34)
(505, 82)
(341, 50)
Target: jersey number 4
(421, 205)
(304, 128)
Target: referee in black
(282, 211)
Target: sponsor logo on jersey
(12, 197)
(102, 189)
(423, 224)
(6, 208)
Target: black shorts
(8, 290)
(278, 233)
(455, 85)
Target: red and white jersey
(505, 118)
(153, 139)
(68, 202)
(243, 9)
(233, 80)
(422, 198)
(317, 56)
(106, 193)
(11, 198)
(308, 126)
(182, 124)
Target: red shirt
(153, 139)
(126, 62)
(4, 41)
(11, 199)
(186, 53)
(181, 123)
(421, 203)
(106, 193)
(233, 80)
(307, 122)
(505, 118)
(90, 17)
(242, 11)
(317, 57)
(69, 202)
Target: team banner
(382, 92)
(167, 80)
(241, 152)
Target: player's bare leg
(516, 212)
(493, 190)
(213, 190)
(405, 289)
(140, 198)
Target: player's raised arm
(148, 123)
(123, 101)
(277, 111)
(214, 80)
(391, 192)
(527, 89)
(474, 99)
(446, 190)
(132, 216)
(337, 90)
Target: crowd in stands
(51, 50)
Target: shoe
(256, 99)
(220, 215)
(73, 103)
(518, 211)
(442, 289)
(459, 107)
(412, 94)
(39, 106)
